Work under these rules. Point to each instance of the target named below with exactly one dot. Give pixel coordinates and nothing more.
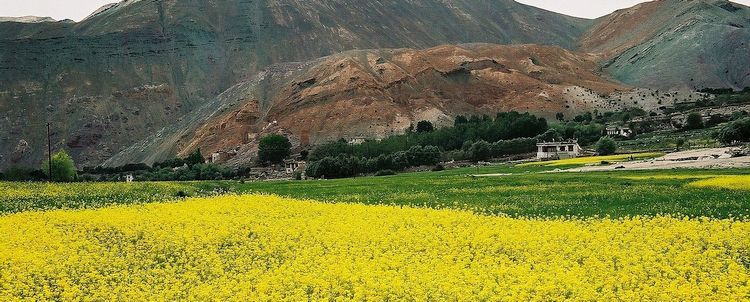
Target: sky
(79, 9)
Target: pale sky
(79, 9)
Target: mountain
(675, 44)
(377, 93)
(136, 66)
(141, 80)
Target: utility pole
(49, 153)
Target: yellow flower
(266, 248)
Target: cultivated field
(523, 235)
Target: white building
(558, 150)
(357, 140)
(619, 131)
(129, 178)
(292, 166)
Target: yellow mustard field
(264, 248)
(733, 182)
(594, 159)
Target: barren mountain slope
(376, 93)
(675, 44)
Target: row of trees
(345, 165)
(476, 138)
(505, 126)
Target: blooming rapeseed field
(593, 160)
(20, 197)
(734, 182)
(265, 248)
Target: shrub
(606, 146)
(694, 121)
(425, 126)
(438, 168)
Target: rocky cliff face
(136, 66)
(675, 44)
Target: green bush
(694, 121)
(425, 126)
(606, 146)
(63, 167)
(736, 131)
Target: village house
(357, 141)
(293, 165)
(558, 150)
(619, 131)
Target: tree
(194, 158)
(274, 149)
(680, 142)
(694, 121)
(461, 120)
(737, 131)
(425, 126)
(606, 146)
(481, 150)
(63, 167)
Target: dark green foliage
(460, 120)
(480, 150)
(438, 167)
(513, 147)
(680, 142)
(585, 133)
(343, 166)
(606, 146)
(425, 126)
(738, 115)
(480, 138)
(24, 174)
(274, 149)
(694, 121)
(63, 167)
(716, 119)
(506, 126)
(550, 135)
(195, 158)
(736, 131)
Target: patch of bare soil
(712, 158)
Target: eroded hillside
(377, 93)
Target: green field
(513, 191)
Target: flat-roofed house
(619, 131)
(558, 150)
